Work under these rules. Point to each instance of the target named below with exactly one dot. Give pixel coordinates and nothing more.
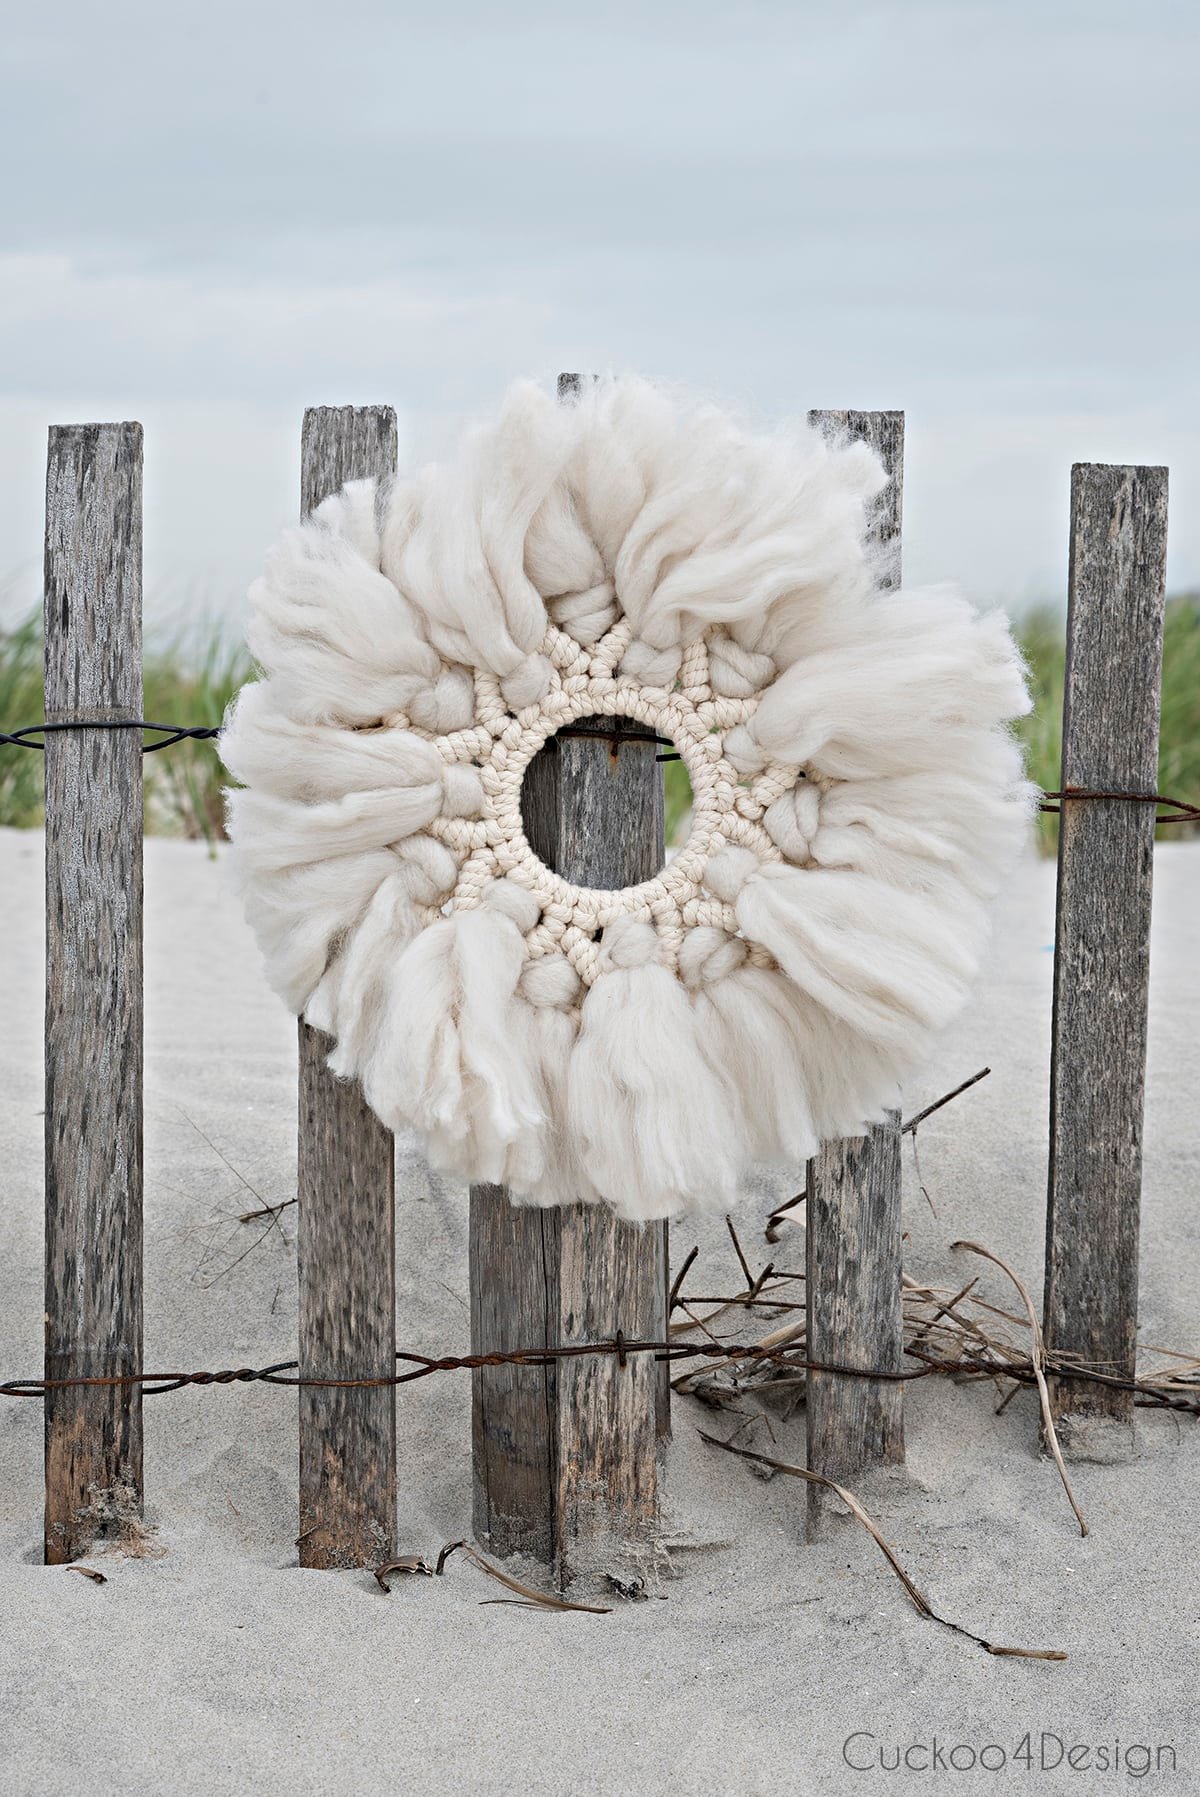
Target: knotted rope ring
(857, 798)
(724, 808)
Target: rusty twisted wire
(421, 1366)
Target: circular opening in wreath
(597, 797)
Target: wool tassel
(962, 830)
(463, 561)
(915, 682)
(265, 748)
(803, 1075)
(756, 525)
(621, 430)
(339, 640)
(349, 1003)
(890, 964)
(654, 1121)
(353, 513)
(747, 1032)
(298, 914)
(548, 988)
(451, 1059)
(314, 792)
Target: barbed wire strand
(421, 1366)
(26, 737)
(1179, 811)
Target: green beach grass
(191, 674)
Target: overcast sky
(984, 213)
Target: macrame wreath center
(585, 683)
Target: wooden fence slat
(852, 1282)
(1111, 701)
(93, 669)
(346, 1246)
(566, 1456)
(852, 1222)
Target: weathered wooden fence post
(566, 1456)
(346, 1188)
(93, 670)
(852, 1223)
(1111, 699)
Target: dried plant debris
(910, 1127)
(951, 1331)
(89, 1572)
(114, 1513)
(783, 1214)
(527, 1596)
(632, 1589)
(409, 1563)
(1037, 1356)
(221, 1235)
(919, 1600)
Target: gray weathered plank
(852, 1223)
(1111, 704)
(565, 1457)
(649, 856)
(346, 1188)
(93, 1131)
(852, 1281)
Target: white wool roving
(857, 797)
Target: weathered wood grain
(884, 431)
(650, 855)
(514, 1439)
(346, 1187)
(1111, 705)
(566, 1457)
(93, 1043)
(853, 1205)
(852, 1280)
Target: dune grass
(192, 672)
(1041, 634)
(20, 703)
(190, 675)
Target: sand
(220, 1667)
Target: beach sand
(220, 1667)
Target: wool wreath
(857, 797)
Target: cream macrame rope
(856, 798)
(725, 808)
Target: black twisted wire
(1178, 811)
(27, 736)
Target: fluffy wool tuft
(858, 797)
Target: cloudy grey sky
(984, 211)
